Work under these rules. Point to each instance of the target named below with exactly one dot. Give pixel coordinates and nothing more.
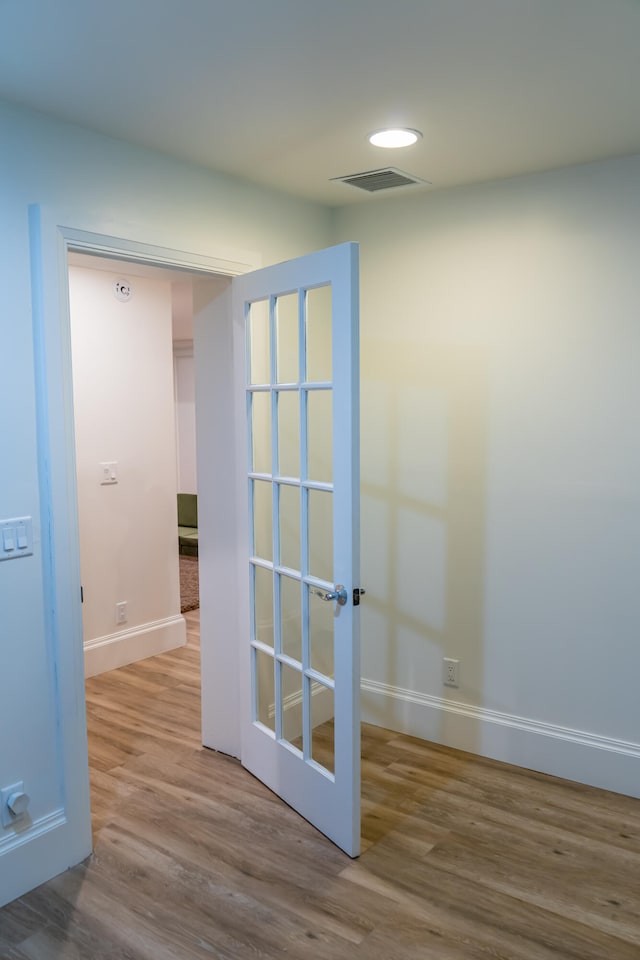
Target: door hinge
(81, 594)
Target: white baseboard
(545, 747)
(19, 835)
(146, 640)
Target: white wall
(185, 407)
(124, 411)
(184, 384)
(501, 467)
(127, 192)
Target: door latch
(357, 593)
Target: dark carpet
(189, 596)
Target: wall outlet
(450, 672)
(121, 612)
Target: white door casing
(61, 836)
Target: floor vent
(374, 180)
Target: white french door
(300, 662)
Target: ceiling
(283, 92)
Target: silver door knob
(339, 594)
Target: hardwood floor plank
(463, 858)
(16, 921)
(9, 952)
(546, 862)
(548, 799)
(108, 794)
(465, 914)
(214, 894)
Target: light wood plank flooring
(463, 858)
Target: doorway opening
(228, 674)
(132, 349)
(51, 244)
(134, 428)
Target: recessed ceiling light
(394, 137)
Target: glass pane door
(289, 397)
(301, 675)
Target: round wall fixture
(122, 290)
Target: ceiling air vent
(374, 180)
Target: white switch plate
(108, 472)
(16, 538)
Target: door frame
(69, 838)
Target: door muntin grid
(292, 333)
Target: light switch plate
(108, 472)
(16, 538)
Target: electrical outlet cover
(450, 672)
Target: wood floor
(464, 858)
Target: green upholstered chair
(188, 524)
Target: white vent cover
(374, 180)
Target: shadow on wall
(424, 452)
